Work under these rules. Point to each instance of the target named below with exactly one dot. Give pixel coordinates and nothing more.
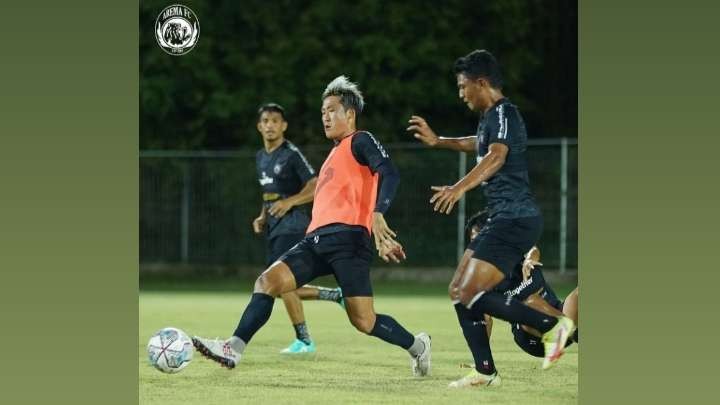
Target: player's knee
(266, 284)
(467, 293)
(363, 323)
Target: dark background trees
(401, 54)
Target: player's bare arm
(391, 250)
(422, 131)
(446, 196)
(381, 230)
(259, 223)
(281, 207)
(532, 259)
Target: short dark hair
(480, 63)
(271, 107)
(479, 219)
(348, 92)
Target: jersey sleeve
(502, 123)
(300, 165)
(369, 152)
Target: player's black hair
(348, 92)
(478, 220)
(271, 107)
(480, 64)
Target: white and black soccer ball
(170, 350)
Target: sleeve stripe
(379, 147)
(502, 132)
(302, 157)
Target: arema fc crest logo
(177, 29)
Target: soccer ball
(170, 350)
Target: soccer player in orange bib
(288, 182)
(356, 186)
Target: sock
(417, 347)
(256, 314)
(237, 344)
(329, 294)
(301, 332)
(576, 337)
(386, 328)
(509, 309)
(475, 333)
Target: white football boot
(217, 350)
(421, 362)
(476, 379)
(554, 341)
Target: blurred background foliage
(400, 53)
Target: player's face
(471, 92)
(336, 121)
(271, 125)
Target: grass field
(349, 367)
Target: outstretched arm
(422, 131)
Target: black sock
(301, 332)
(387, 329)
(256, 314)
(475, 332)
(576, 337)
(511, 310)
(329, 294)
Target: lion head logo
(177, 29)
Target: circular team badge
(177, 29)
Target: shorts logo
(516, 291)
(177, 29)
(316, 239)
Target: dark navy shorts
(504, 242)
(280, 244)
(345, 254)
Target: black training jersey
(508, 192)
(282, 173)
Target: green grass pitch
(349, 367)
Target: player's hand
(280, 208)
(422, 131)
(258, 224)
(445, 198)
(527, 267)
(381, 231)
(391, 250)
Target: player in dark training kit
(514, 223)
(288, 181)
(528, 285)
(356, 186)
